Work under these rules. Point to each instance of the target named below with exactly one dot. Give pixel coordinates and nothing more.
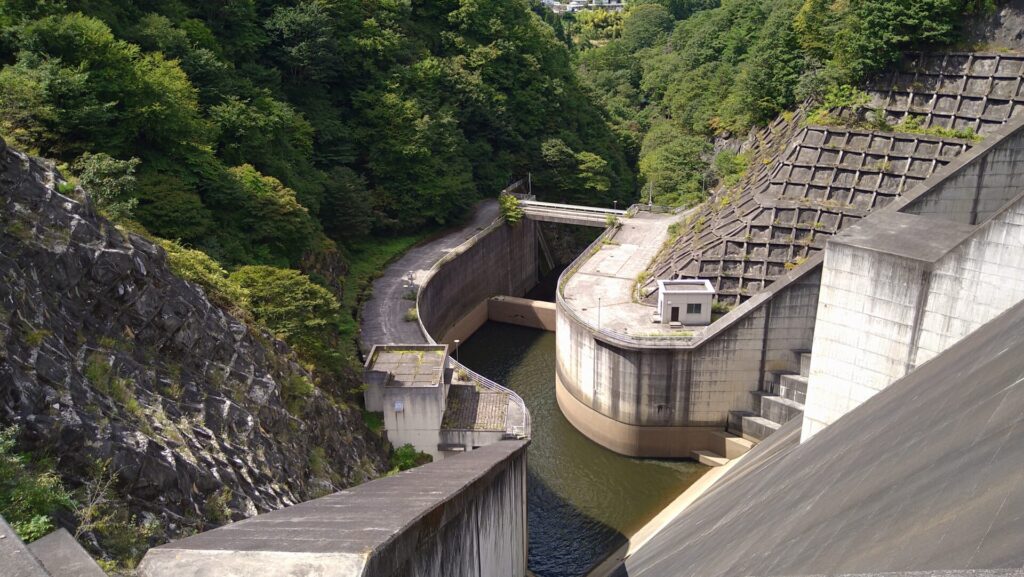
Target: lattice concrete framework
(807, 182)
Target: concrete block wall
(882, 314)
(980, 188)
(501, 262)
(974, 283)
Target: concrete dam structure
(894, 257)
(709, 392)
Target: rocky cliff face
(105, 354)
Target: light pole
(615, 205)
(598, 312)
(457, 351)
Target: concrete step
(730, 445)
(758, 428)
(62, 556)
(793, 387)
(805, 365)
(780, 409)
(735, 423)
(709, 459)
(755, 401)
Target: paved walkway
(601, 291)
(383, 315)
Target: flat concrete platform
(62, 556)
(907, 235)
(601, 291)
(925, 477)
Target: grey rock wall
(106, 355)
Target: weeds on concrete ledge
(411, 315)
(511, 211)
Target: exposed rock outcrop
(105, 354)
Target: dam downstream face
(582, 499)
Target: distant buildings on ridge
(577, 5)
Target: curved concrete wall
(666, 399)
(501, 261)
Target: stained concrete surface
(457, 518)
(925, 476)
(62, 556)
(383, 314)
(15, 558)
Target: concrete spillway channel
(584, 501)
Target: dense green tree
(303, 313)
(111, 183)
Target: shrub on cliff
(301, 312)
(30, 492)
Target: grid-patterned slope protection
(958, 91)
(808, 182)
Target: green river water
(582, 499)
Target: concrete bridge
(568, 213)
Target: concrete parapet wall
(463, 517)
(501, 262)
(980, 184)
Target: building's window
(693, 308)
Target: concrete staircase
(781, 402)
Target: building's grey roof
(927, 476)
(469, 408)
(806, 182)
(409, 365)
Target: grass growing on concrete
(367, 260)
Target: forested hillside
(312, 134)
(675, 75)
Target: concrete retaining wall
(523, 312)
(501, 262)
(664, 399)
(888, 306)
(984, 184)
(463, 517)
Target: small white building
(685, 302)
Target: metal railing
(518, 430)
(572, 208)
